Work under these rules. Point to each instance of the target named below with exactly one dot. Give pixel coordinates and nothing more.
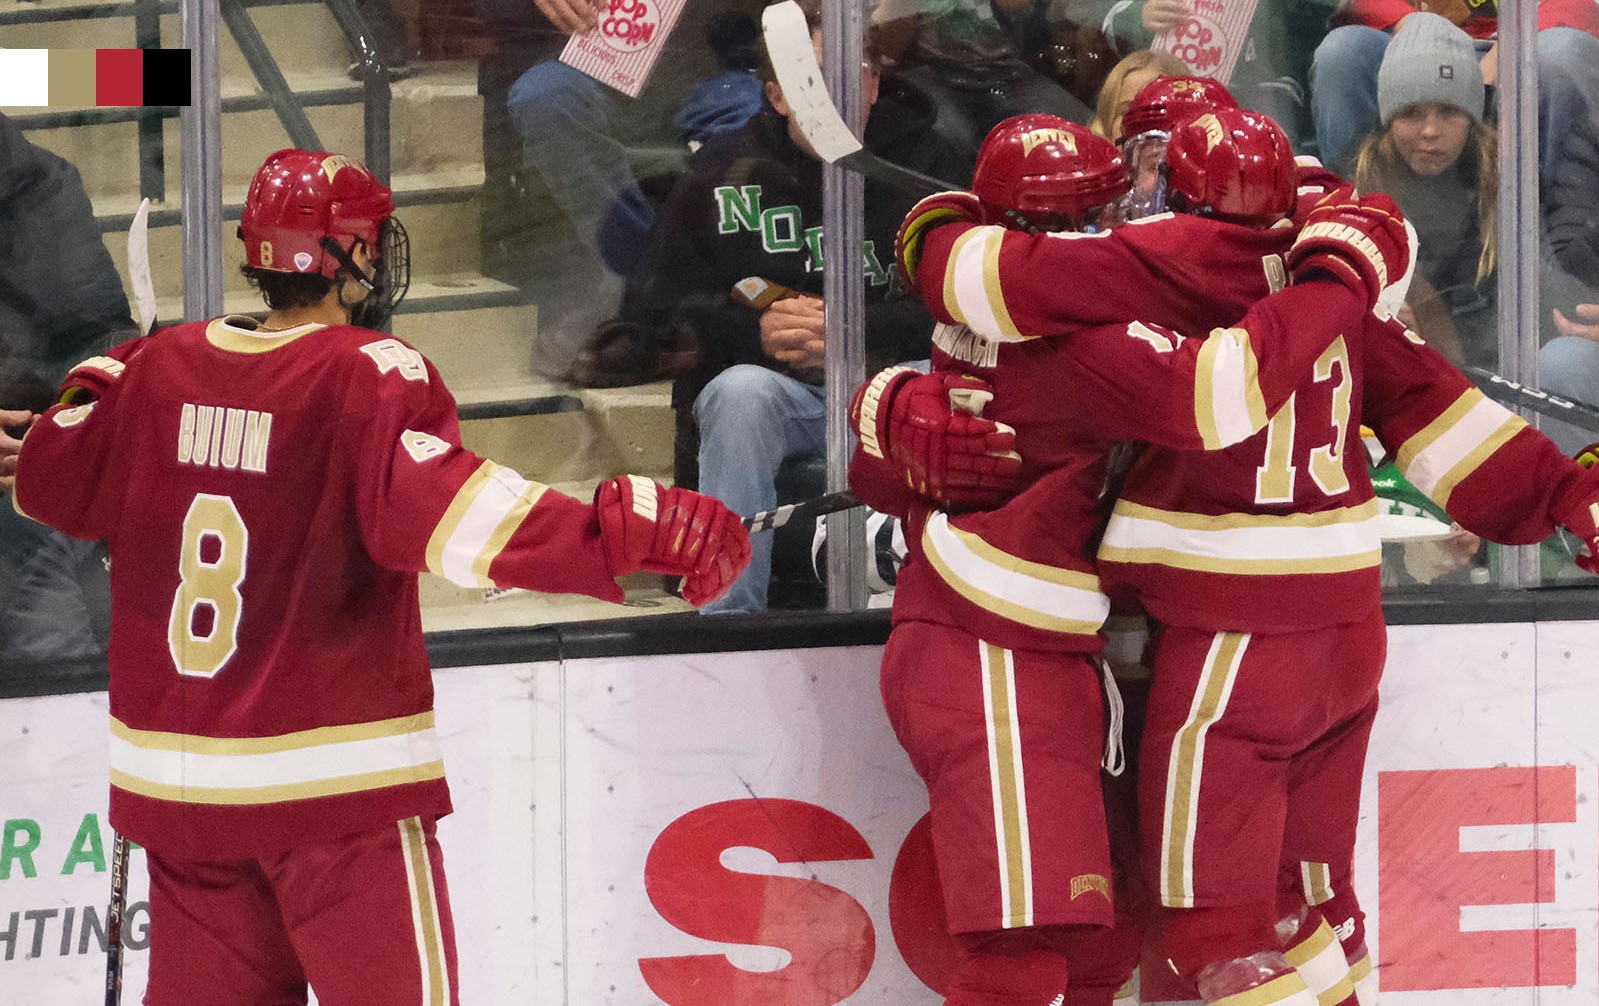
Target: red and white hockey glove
(1582, 519)
(931, 425)
(644, 525)
(1361, 241)
(932, 211)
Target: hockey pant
(1249, 783)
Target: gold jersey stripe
(1215, 522)
(431, 957)
(1228, 404)
(1186, 766)
(1317, 881)
(256, 795)
(237, 339)
(156, 740)
(455, 513)
(1055, 603)
(505, 529)
(1009, 793)
(1442, 454)
(1240, 567)
(1286, 989)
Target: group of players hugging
(270, 489)
(1163, 414)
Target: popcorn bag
(1212, 37)
(622, 49)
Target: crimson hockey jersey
(1023, 575)
(1279, 532)
(268, 500)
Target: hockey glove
(1582, 519)
(1361, 242)
(931, 425)
(644, 525)
(932, 211)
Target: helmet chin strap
(349, 267)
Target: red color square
(118, 77)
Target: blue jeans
(1343, 90)
(1568, 366)
(751, 420)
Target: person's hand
(929, 212)
(1489, 65)
(679, 532)
(931, 425)
(794, 332)
(1588, 328)
(1360, 241)
(9, 445)
(1161, 15)
(572, 16)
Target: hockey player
(269, 492)
(988, 675)
(1260, 562)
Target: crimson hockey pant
(364, 919)
(1249, 782)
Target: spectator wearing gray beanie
(1438, 159)
(1430, 60)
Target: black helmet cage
(389, 281)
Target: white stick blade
(139, 268)
(788, 42)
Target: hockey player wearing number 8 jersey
(269, 492)
(1259, 562)
(988, 675)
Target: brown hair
(1380, 168)
(1164, 64)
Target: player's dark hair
(283, 290)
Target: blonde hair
(1164, 65)
(1380, 168)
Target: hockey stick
(1508, 392)
(771, 520)
(139, 276)
(113, 921)
(788, 44)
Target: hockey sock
(1311, 946)
(1261, 979)
(1364, 976)
(1008, 967)
(1195, 937)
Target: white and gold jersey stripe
(1327, 541)
(1031, 593)
(235, 771)
(487, 510)
(1454, 445)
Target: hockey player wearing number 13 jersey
(269, 493)
(1260, 562)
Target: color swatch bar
(77, 77)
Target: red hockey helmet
(1042, 171)
(305, 213)
(1165, 103)
(1234, 165)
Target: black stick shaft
(769, 520)
(1502, 389)
(113, 922)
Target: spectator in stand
(60, 300)
(972, 57)
(1343, 75)
(1438, 159)
(1123, 83)
(1273, 67)
(572, 131)
(749, 214)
